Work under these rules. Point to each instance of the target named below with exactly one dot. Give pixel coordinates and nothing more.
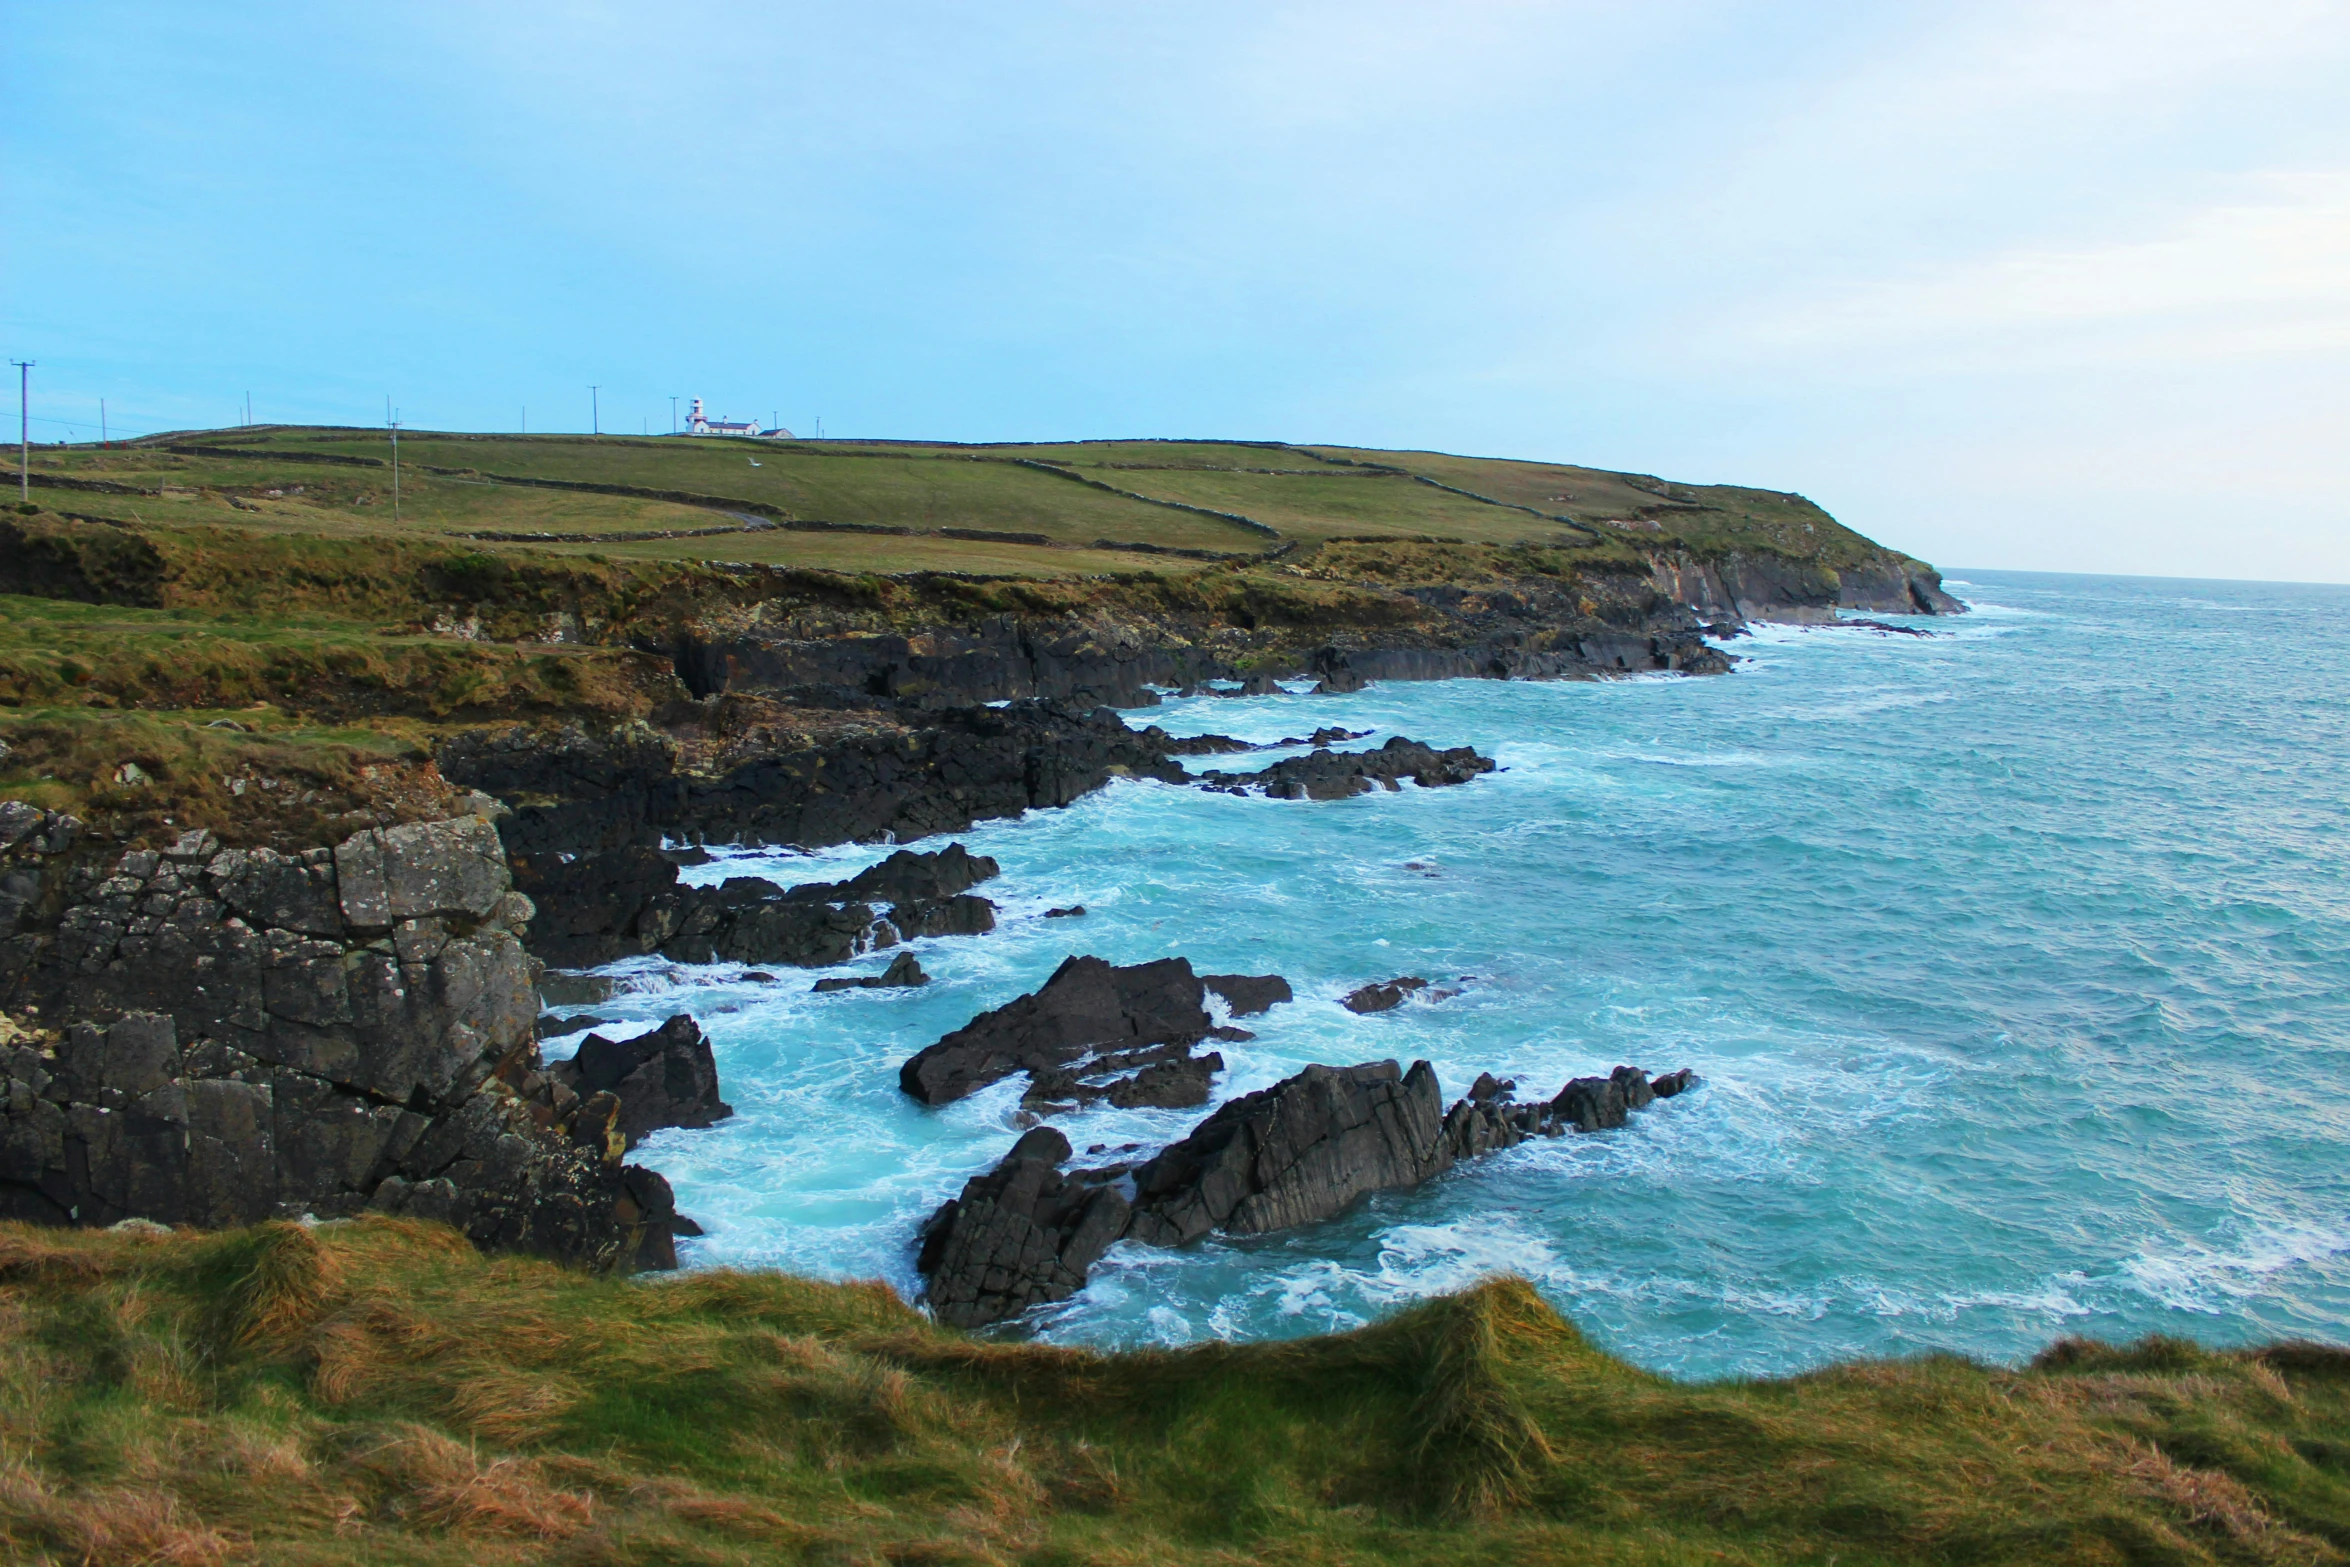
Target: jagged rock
(937, 772)
(628, 902)
(243, 1034)
(662, 1079)
(1166, 1077)
(1249, 994)
(1299, 1152)
(1092, 1031)
(962, 915)
(1383, 998)
(1323, 774)
(908, 877)
(1020, 1235)
(902, 971)
(1208, 745)
(1073, 911)
(1087, 1008)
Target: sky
(2036, 286)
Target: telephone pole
(393, 419)
(24, 430)
(595, 412)
(101, 424)
(673, 416)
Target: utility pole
(595, 412)
(393, 420)
(526, 418)
(672, 416)
(24, 430)
(101, 424)
(248, 409)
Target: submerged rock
(903, 971)
(1383, 998)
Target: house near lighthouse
(699, 423)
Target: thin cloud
(2267, 273)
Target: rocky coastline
(213, 1035)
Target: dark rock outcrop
(1297, 1153)
(1249, 994)
(1300, 1152)
(628, 902)
(215, 1036)
(1021, 1235)
(663, 1078)
(1323, 774)
(1082, 663)
(1383, 998)
(1093, 1031)
(892, 773)
(903, 972)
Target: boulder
(664, 1078)
(1089, 1019)
(1383, 998)
(1299, 1152)
(1249, 994)
(1021, 1235)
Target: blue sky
(2060, 286)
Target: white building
(698, 423)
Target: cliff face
(229, 1035)
(1762, 587)
(1422, 612)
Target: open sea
(2015, 961)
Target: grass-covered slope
(1051, 509)
(379, 1392)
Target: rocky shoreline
(210, 1035)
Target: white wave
(2212, 1279)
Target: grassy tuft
(376, 1391)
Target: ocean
(2015, 961)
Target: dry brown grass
(378, 1391)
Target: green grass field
(378, 1392)
(1075, 501)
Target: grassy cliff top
(1044, 510)
(220, 608)
(377, 1391)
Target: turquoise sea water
(2016, 962)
